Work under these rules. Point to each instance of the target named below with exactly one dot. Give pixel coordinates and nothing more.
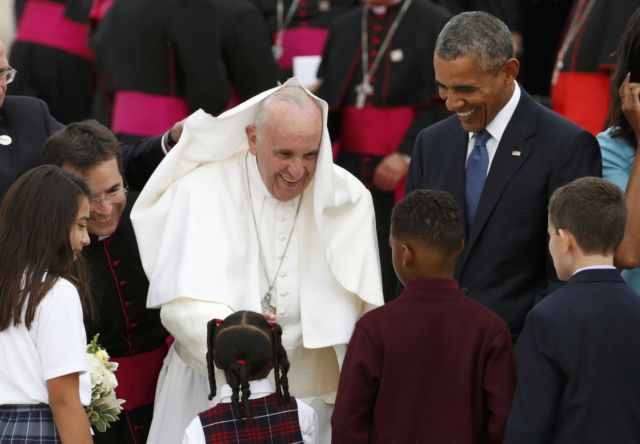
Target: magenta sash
(301, 42)
(44, 23)
(137, 376)
(374, 131)
(142, 114)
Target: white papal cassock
(200, 251)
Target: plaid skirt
(27, 424)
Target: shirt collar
(499, 123)
(259, 389)
(594, 267)
(258, 188)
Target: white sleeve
(186, 320)
(308, 419)
(194, 433)
(59, 333)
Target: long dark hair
(630, 37)
(36, 217)
(245, 346)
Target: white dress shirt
(497, 126)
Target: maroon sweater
(431, 366)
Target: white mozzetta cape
(196, 239)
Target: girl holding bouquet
(44, 379)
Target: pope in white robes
(246, 204)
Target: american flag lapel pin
(516, 153)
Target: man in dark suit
(25, 123)
(578, 362)
(501, 156)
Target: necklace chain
(577, 22)
(282, 25)
(365, 88)
(265, 302)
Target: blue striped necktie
(476, 173)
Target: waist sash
(44, 23)
(374, 131)
(137, 377)
(141, 114)
(301, 42)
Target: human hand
(630, 102)
(390, 172)
(176, 131)
(172, 136)
(270, 317)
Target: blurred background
(6, 21)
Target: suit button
(123, 283)
(116, 262)
(128, 304)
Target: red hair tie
(218, 321)
(240, 362)
(271, 324)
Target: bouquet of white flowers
(104, 407)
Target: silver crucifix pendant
(363, 90)
(277, 51)
(266, 304)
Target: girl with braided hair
(246, 347)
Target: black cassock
(52, 55)
(131, 333)
(404, 98)
(167, 59)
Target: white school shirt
(259, 389)
(54, 346)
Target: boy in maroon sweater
(432, 365)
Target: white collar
(499, 123)
(258, 188)
(259, 389)
(594, 267)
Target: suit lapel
(455, 178)
(511, 154)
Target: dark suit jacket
(432, 366)
(578, 365)
(28, 122)
(505, 264)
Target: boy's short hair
(430, 216)
(82, 145)
(593, 210)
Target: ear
(250, 131)
(568, 242)
(407, 256)
(511, 68)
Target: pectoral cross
(265, 304)
(277, 51)
(363, 90)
